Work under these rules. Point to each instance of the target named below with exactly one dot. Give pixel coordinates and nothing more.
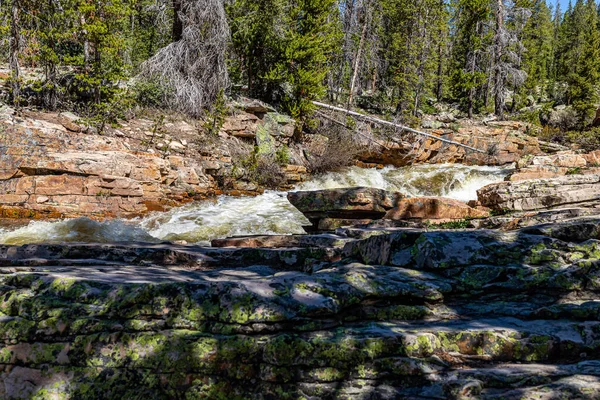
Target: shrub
(263, 169)
(148, 93)
(282, 155)
(530, 116)
(587, 140)
(339, 150)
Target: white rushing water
(269, 213)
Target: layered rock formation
(537, 194)
(503, 142)
(334, 208)
(402, 315)
(555, 165)
(52, 167)
(50, 172)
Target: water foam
(75, 230)
(269, 213)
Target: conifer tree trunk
(177, 23)
(498, 53)
(440, 70)
(14, 51)
(357, 61)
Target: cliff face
(407, 314)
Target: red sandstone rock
(433, 208)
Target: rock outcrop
(401, 315)
(358, 203)
(330, 209)
(539, 194)
(503, 142)
(555, 165)
(53, 166)
(48, 171)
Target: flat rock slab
(539, 194)
(282, 241)
(164, 254)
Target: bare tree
(357, 59)
(507, 50)
(193, 69)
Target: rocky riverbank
(393, 299)
(399, 314)
(57, 166)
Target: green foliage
(282, 49)
(538, 39)
(107, 113)
(532, 116)
(282, 155)
(215, 117)
(407, 54)
(263, 169)
(409, 31)
(588, 140)
(468, 74)
(148, 93)
(578, 58)
(457, 224)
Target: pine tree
(538, 41)
(412, 32)
(583, 83)
(579, 58)
(283, 48)
(468, 73)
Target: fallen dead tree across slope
(394, 125)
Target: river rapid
(269, 213)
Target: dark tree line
(394, 57)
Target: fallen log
(392, 124)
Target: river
(269, 213)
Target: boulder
(433, 208)
(540, 193)
(241, 124)
(348, 203)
